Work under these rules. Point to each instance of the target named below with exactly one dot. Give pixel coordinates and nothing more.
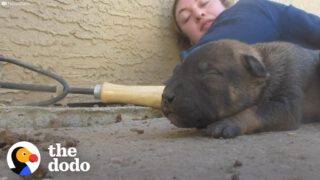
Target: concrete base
(54, 117)
(140, 146)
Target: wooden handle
(139, 95)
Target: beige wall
(88, 42)
(91, 41)
(312, 6)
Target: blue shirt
(256, 21)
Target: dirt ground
(154, 149)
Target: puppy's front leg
(272, 115)
(244, 122)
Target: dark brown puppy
(231, 88)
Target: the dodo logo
(23, 158)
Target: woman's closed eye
(185, 16)
(186, 19)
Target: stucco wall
(312, 6)
(91, 41)
(88, 42)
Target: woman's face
(195, 17)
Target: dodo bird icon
(20, 156)
(23, 160)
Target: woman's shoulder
(258, 3)
(247, 8)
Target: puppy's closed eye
(205, 70)
(211, 73)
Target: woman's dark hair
(182, 40)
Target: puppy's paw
(223, 129)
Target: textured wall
(312, 6)
(91, 41)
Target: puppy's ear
(254, 66)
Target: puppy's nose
(168, 96)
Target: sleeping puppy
(230, 88)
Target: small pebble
(237, 163)
(117, 160)
(139, 131)
(118, 118)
